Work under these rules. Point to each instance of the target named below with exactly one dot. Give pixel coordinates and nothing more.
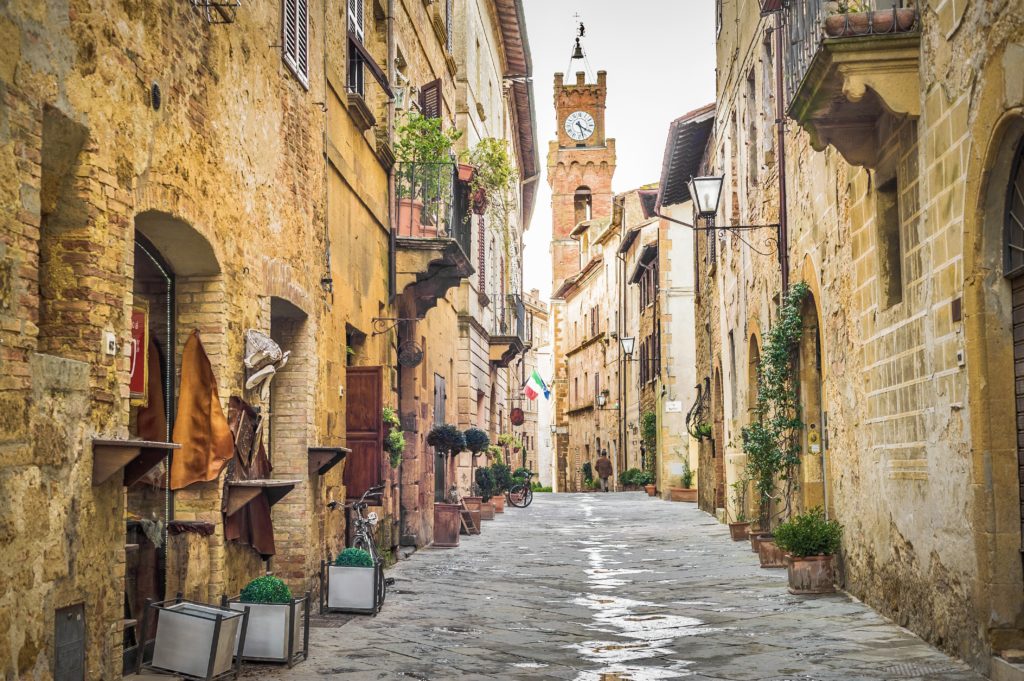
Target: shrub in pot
(448, 440)
(630, 478)
(502, 483)
(352, 582)
(739, 528)
(687, 492)
(276, 620)
(811, 542)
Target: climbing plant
(649, 437)
(771, 441)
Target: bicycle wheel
(516, 496)
(528, 497)
(382, 588)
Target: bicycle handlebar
(362, 503)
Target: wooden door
(365, 465)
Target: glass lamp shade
(601, 400)
(706, 193)
(627, 343)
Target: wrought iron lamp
(627, 343)
(707, 194)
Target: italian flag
(535, 386)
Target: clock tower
(581, 163)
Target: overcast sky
(660, 59)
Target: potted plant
(687, 492)
(739, 528)
(195, 639)
(394, 441)
(477, 443)
(772, 441)
(812, 543)
(502, 483)
(485, 487)
(493, 185)
(423, 149)
(702, 431)
(646, 479)
(448, 440)
(630, 478)
(855, 17)
(587, 469)
(351, 583)
(276, 622)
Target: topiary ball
(354, 558)
(266, 589)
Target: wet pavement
(604, 587)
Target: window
(583, 203)
(597, 385)
(430, 99)
(295, 26)
(887, 222)
(448, 25)
(356, 35)
(751, 116)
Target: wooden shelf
(323, 459)
(134, 457)
(241, 492)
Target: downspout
(780, 124)
(623, 464)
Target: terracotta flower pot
(499, 502)
(487, 511)
(812, 575)
(862, 23)
(466, 172)
(410, 211)
(739, 531)
(682, 493)
(754, 541)
(651, 490)
(769, 553)
(473, 503)
(447, 523)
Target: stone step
(1003, 670)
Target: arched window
(1014, 234)
(583, 204)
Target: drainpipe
(623, 464)
(780, 124)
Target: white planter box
(266, 636)
(352, 589)
(186, 638)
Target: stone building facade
(536, 428)
(901, 170)
(231, 188)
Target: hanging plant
(772, 442)
(394, 441)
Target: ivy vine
(772, 440)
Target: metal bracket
(385, 324)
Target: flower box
(350, 589)
(682, 494)
(277, 632)
(811, 575)
(194, 639)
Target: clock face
(579, 125)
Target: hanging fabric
(199, 427)
(252, 524)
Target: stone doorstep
(1003, 670)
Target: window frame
(296, 54)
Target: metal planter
(277, 632)
(350, 589)
(195, 640)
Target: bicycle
(364, 538)
(520, 494)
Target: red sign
(516, 416)
(138, 381)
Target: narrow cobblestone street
(615, 586)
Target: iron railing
(513, 320)
(431, 203)
(700, 410)
(805, 29)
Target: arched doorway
(814, 488)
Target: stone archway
(991, 360)
(813, 467)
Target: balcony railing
(513, 320)
(805, 28)
(431, 204)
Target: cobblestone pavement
(604, 587)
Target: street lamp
(602, 400)
(627, 343)
(706, 193)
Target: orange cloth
(199, 427)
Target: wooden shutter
(430, 99)
(356, 18)
(364, 429)
(295, 29)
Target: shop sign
(138, 382)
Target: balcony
(511, 333)
(431, 231)
(846, 72)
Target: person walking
(604, 469)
